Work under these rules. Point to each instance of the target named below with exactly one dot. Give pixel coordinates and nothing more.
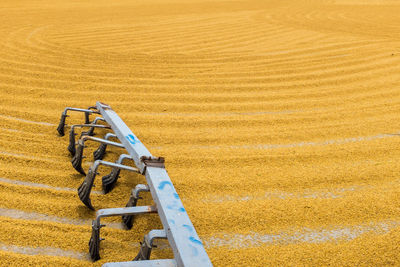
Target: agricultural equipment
(187, 248)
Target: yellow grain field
(277, 119)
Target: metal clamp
(157, 162)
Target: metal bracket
(109, 180)
(101, 150)
(86, 187)
(132, 202)
(94, 243)
(77, 159)
(157, 162)
(61, 125)
(91, 130)
(147, 245)
(71, 147)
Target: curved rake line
(47, 251)
(38, 185)
(305, 235)
(35, 216)
(26, 121)
(301, 144)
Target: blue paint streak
(190, 228)
(176, 195)
(131, 139)
(196, 241)
(163, 184)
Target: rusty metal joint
(156, 162)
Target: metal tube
(97, 163)
(100, 140)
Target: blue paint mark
(196, 241)
(190, 228)
(172, 222)
(132, 139)
(163, 184)
(176, 195)
(173, 206)
(176, 206)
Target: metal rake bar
(186, 245)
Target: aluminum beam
(187, 247)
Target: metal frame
(177, 228)
(185, 243)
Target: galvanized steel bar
(149, 263)
(186, 244)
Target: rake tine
(61, 125)
(128, 219)
(71, 146)
(109, 180)
(87, 114)
(90, 132)
(77, 159)
(94, 242)
(86, 187)
(101, 150)
(147, 244)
